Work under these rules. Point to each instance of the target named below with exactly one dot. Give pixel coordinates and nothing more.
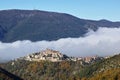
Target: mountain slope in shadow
(36, 25)
(5, 75)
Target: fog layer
(103, 42)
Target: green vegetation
(106, 69)
(45, 70)
(112, 74)
(106, 64)
(4, 77)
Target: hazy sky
(88, 9)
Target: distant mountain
(36, 25)
(5, 75)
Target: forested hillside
(5, 75)
(106, 69)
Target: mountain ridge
(36, 25)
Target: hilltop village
(56, 56)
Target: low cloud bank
(103, 42)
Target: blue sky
(87, 9)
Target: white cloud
(105, 41)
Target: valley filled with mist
(43, 45)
